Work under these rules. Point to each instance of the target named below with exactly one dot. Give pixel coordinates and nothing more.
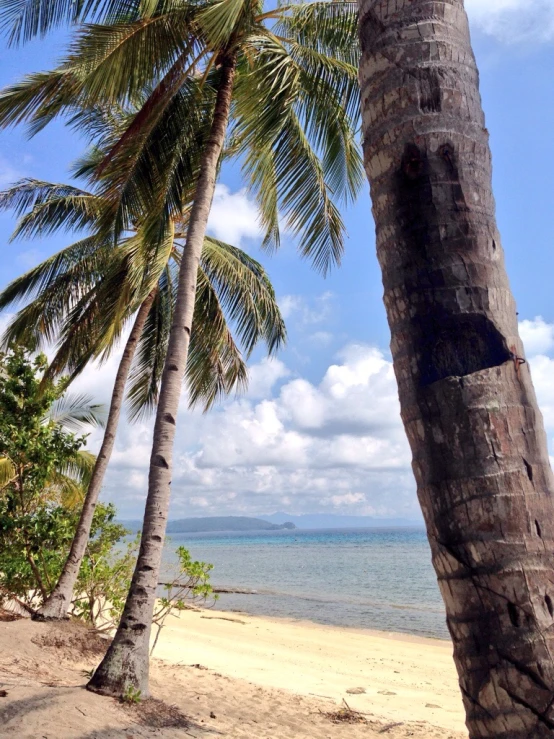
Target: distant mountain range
(216, 523)
(277, 521)
(332, 521)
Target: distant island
(216, 523)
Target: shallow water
(364, 578)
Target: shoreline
(389, 675)
(243, 591)
(384, 633)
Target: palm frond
(219, 19)
(329, 27)
(116, 62)
(215, 366)
(245, 293)
(38, 98)
(58, 284)
(79, 467)
(22, 20)
(76, 412)
(146, 372)
(50, 207)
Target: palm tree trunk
(57, 605)
(468, 405)
(126, 662)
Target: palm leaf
(25, 19)
(76, 412)
(50, 207)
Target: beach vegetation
(44, 470)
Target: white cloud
(513, 21)
(262, 377)
(350, 499)
(334, 445)
(290, 304)
(542, 369)
(233, 217)
(538, 338)
(321, 338)
(307, 311)
(537, 335)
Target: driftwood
(237, 591)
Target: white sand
(265, 678)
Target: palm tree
(468, 405)
(286, 80)
(229, 282)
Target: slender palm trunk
(468, 405)
(126, 662)
(58, 603)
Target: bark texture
(468, 405)
(126, 662)
(57, 605)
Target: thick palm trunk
(58, 603)
(126, 662)
(468, 405)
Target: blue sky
(319, 428)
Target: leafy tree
(480, 455)
(286, 81)
(43, 466)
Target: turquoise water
(363, 578)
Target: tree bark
(479, 449)
(57, 605)
(126, 664)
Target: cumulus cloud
(537, 336)
(233, 217)
(331, 445)
(513, 21)
(262, 377)
(307, 311)
(335, 445)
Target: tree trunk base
(123, 673)
(42, 618)
(54, 609)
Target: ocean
(364, 578)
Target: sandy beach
(233, 675)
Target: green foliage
(294, 120)
(83, 296)
(43, 469)
(33, 548)
(106, 571)
(190, 585)
(131, 695)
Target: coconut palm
(480, 456)
(231, 286)
(284, 82)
